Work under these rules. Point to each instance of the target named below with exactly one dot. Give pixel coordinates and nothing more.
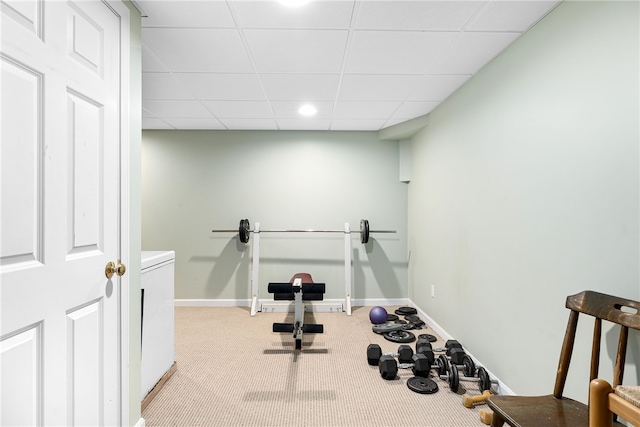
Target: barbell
(244, 231)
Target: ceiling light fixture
(294, 3)
(307, 110)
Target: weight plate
(386, 327)
(422, 385)
(429, 337)
(485, 381)
(413, 318)
(408, 326)
(443, 364)
(364, 231)
(454, 378)
(392, 317)
(244, 230)
(404, 311)
(469, 366)
(400, 336)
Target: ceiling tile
(239, 109)
(395, 52)
(510, 15)
(194, 123)
(163, 86)
(471, 51)
(415, 15)
(198, 49)
(163, 109)
(303, 124)
(250, 124)
(273, 14)
(297, 51)
(310, 87)
(151, 63)
(364, 110)
(436, 87)
(413, 109)
(225, 87)
(185, 13)
(154, 123)
(289, 110)
(354, 124)
(367, 87)
(147, 113)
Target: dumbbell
(457, 355)
(388, 366)
(453, 378)
(469, 401)
(486, 416)
(374, 353)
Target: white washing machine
(158, 334)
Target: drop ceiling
(363, 64)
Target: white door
(59, 213)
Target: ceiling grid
(363, 64)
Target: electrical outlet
(433, 291)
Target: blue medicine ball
(378, 315)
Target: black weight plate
(414, 318)
(422, 385)
(443, 364)
(485, 381)
(454, 378)
(364, 231)
(469, 366)
(429, 337)
(386, 327)
(404, 311)
(244, 230)
(392, 317)
(408, 326)
(400, 336)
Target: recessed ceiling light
(307, 110)
(294, 3)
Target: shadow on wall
(382, 269)
(233, 259)
(633, 351)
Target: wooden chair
(605, 402)
(555, 409)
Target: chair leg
(599, 414)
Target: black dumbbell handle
(453, 378)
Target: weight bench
(298, 291)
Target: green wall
(196, 181)
(525, 189)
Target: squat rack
(244, 231)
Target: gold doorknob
(112, 268)
(120, 268)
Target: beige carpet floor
(233, 371)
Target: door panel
(21, 365)
(59, 212)
(21, 213)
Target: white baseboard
(382, 302)
(141, 423)
(364, 302)
(502, 388)
(212, 303)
